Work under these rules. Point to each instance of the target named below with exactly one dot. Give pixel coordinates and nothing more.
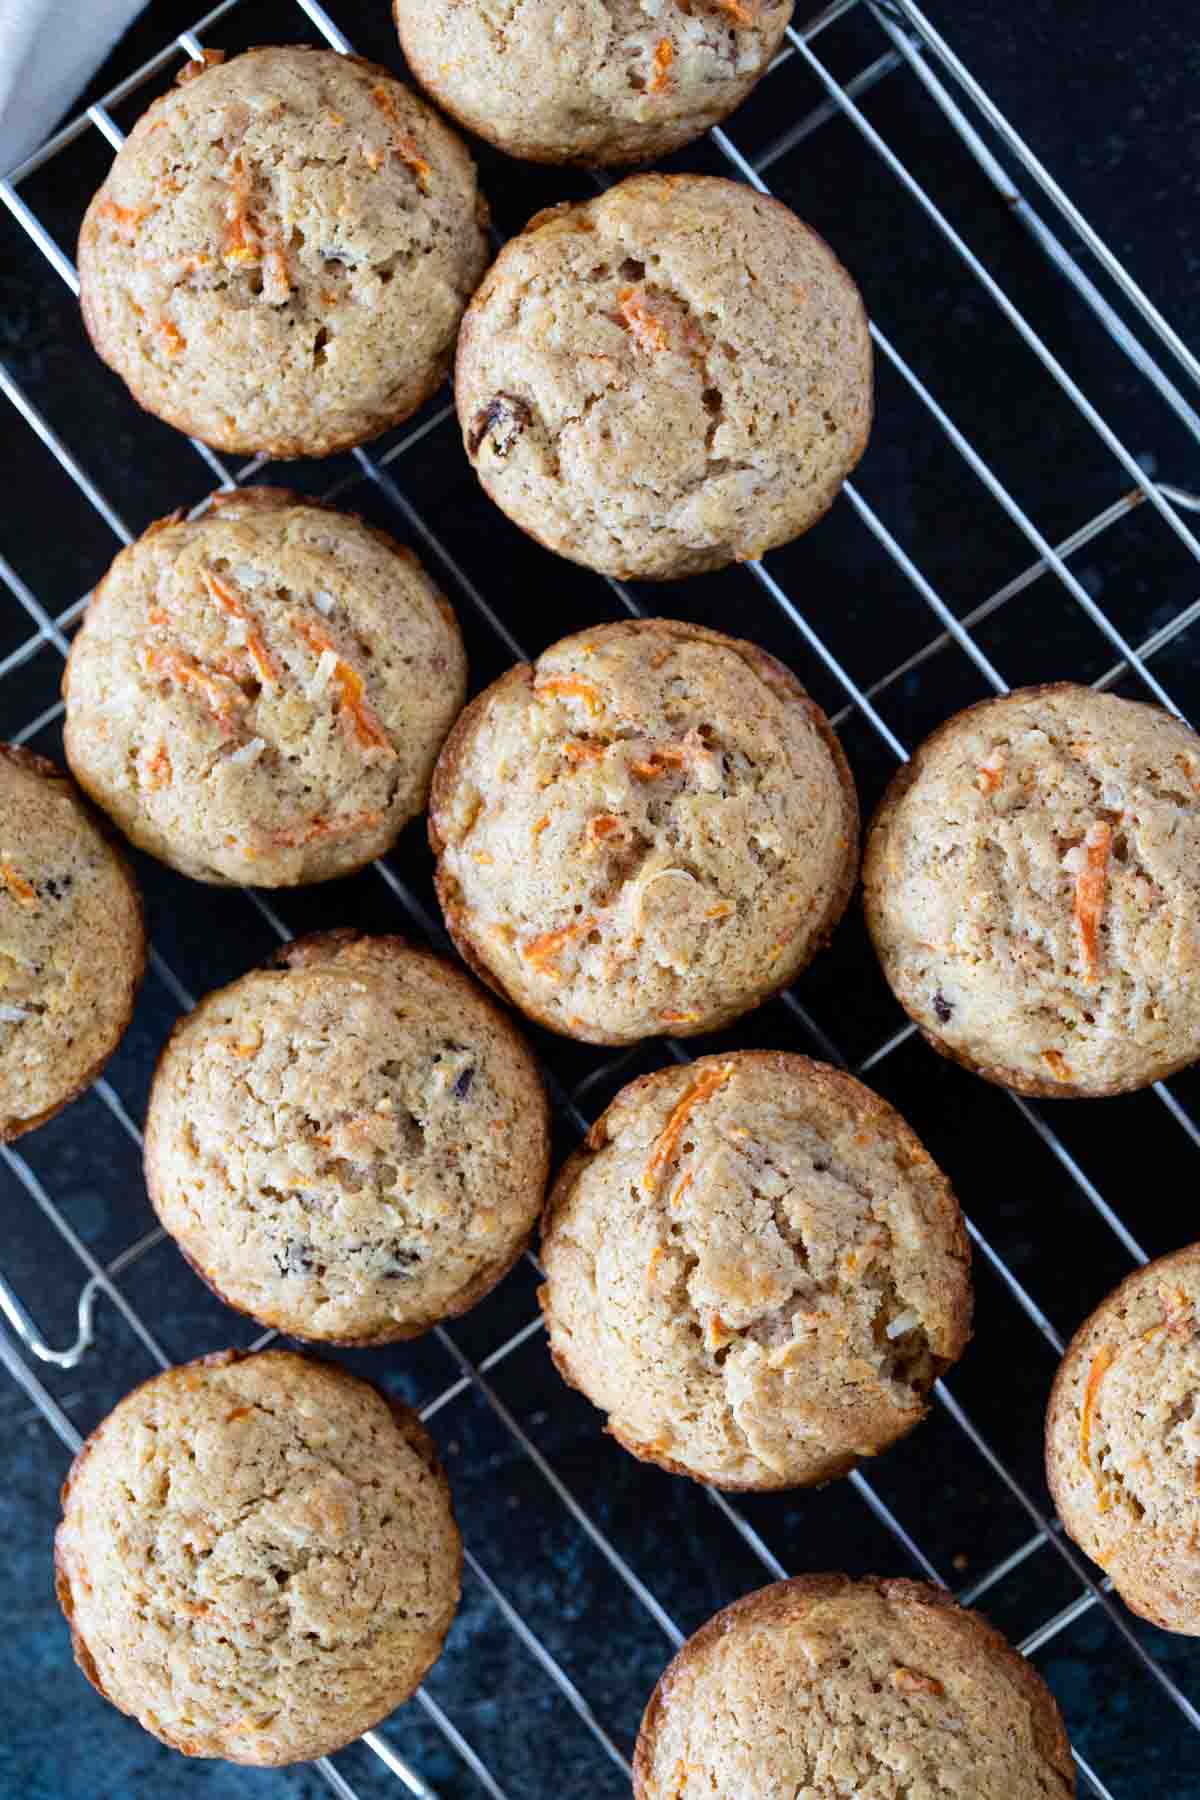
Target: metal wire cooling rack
(1031, 1578)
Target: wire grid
(913, 48)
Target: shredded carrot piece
(679, 1018)
(220, 695)
(667, 756)
(602, 826)
(664, 56)
(1101, 1363)
(719, 1333)
(646, 328)
(664, 1150)
(157, 615)
(681, 1190)
(656, 1256)
(484, 856)
(991, 771)
(721, 911)
(577, 751)
(17, 886)
(1090, 885)
(126, 218)
(541, 825)
(352, 688)
(1179, 1314)
(544, 951)
(321, 829)
(239, 1412)
(1191, 770)
(231, 602)
(241, 239)
(172, 337)
(1057, 1064)
(742, 12)
(571, 684)
(912, 1683)
(158, 769)
(403, 142)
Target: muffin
(650, 829)
(755, 1270)
(1032, 885)
(666, 379)
(72, 944)
(823, 1686)
(590, 84)
(351, 1144)
(1123, 1440)
(257, 1557)
(259, 695)
(280, 256)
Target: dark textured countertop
(1107, 96)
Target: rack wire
(909, 49)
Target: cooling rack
(894, 615)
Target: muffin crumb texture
(1123, 1440)
(257, 1557)
(279, 258)
(1032, 885)
(259, 694)
(350, 1146)
(755, 1270)
(666, 379)
(822, 1687)
(72, 945)
(645, 832)
(604, 81)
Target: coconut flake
(1075, 861)
(247, 575)
(903, 1322)
(324, 602)
(13, 1015)
(1112, 798)
(323, 674)
(249, 753)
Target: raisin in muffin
(649, 830)
(72, 943)
(822, 1686)
(666, 379)
(351, 1144)
(602, 81)
(1123, 1440)
(257, 1557)
(259, 694)
(1032, 885)
(755, 1270)
(280, 255)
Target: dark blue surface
(1107, 96)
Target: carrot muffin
(72, 945)
(280, 256)
(257, 1557)
(650, 829)
(258, 695)
(821, 1687)
(669, 378)
(612, 83)
(755, 1269)
(1123, 1440)
(351, 1144)
(1032, 882)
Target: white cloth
(49, 50)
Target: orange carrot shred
(991, 771)
(17, 886)
(541, 825)
(1090, 885)
(241, 239)
(910, 1682)
(681, 1190)
(158, 769)
(172, 337)
(600, 827)
(666, 756)
(571, 684)
(1057, 1064)
(646, 328)
(126, 218)
(322, 829)
(231, 602)
(664, 56)
(576, 750)
(404, 144)
(543, 952)
(220, 695)
(367, 724)
(1179, 1314)
(656, 1256)
(664, 1150)
(1101, 1363)
(679, 1018)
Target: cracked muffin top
(279, 258)
(666, 379)
(257, 1557)
(821, 1687)
(647, 831)
(755, 1269)
(1032, 886)
(599, 81)
(351, 1144)
(1123, 1440)
(259, 694)
(72, 943)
